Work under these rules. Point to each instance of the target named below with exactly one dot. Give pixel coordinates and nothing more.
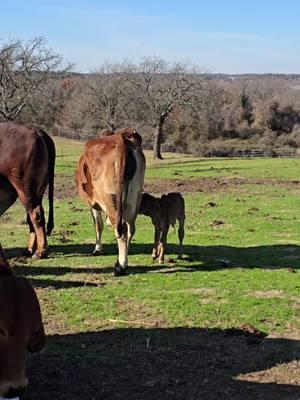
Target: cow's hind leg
(36, 214)
(98, 224)
(121, 264)
(31, 244)
(37, 218)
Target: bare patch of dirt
(201, 291)
(277, 375)
(138, 314)
(279, 294)
(209, 184)
(65, 186)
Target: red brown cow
(110, 179)
(21, 329)
(27, 158)
(164, 212)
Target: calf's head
(150, 206)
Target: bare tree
(110, 94)
(160, 89)
(25, 69)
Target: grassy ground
(240, 270)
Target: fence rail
(249, 153)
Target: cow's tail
(121, 154)
(126, 168)
(51, 167)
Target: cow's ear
(37, 340)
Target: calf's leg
(180, 236)
(162, 244)
(155, 252)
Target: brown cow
(164, 212)
(21, 329)
(27, 157)
(110, 178)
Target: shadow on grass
(164, 364)
(195, 259)
(210, 257)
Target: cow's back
(22, 150)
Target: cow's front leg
(98, 224)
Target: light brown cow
(21, 329)
(27, 157)
(164, 211)
(110, 179)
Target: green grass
(188, 167)
(234, 271)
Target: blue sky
(231, 36)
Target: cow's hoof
(97, 252)
(40, 254)
(119, 270)
(28, 253)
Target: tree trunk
(157, 141)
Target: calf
(164, 211)
(21, 329)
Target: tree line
(175, 103)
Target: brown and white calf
(164, 211)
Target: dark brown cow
(164, 212)
(21, 329)
(110, 178)
(27, 157)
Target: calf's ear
(37, 340)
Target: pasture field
(223, 322)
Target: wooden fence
(249, 153)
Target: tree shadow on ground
(177, 363)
